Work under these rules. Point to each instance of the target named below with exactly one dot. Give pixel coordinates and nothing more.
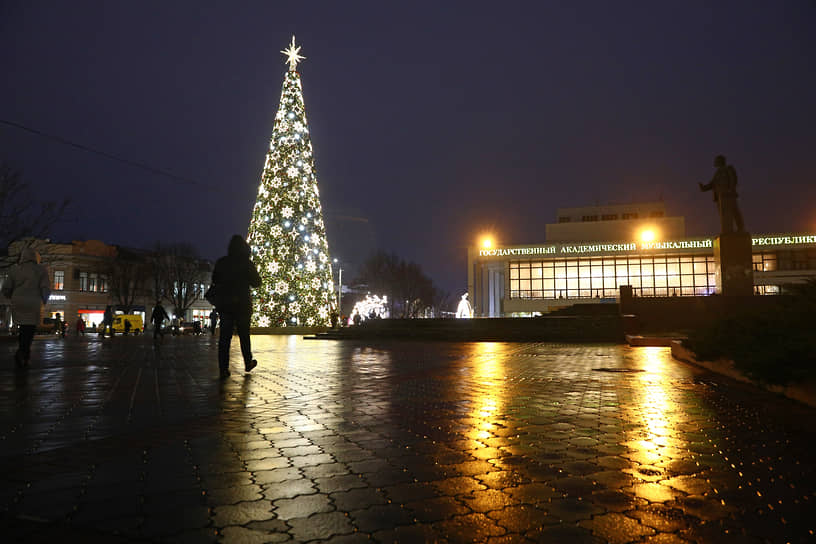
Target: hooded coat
(234, 276)
(28, 288)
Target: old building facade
(87, 276)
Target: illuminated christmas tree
(287, 235)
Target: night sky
(432, 122)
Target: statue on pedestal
(464, 310)
(724, 187)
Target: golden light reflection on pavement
(489, 404)
(401, 441)
(653, 444)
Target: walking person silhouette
(232, 278)
(28, 288)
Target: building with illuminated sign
(81, 283)
(591, 252)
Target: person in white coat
(28, 288)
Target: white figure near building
(464, 310)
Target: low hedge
(776, 346)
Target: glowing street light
(487, 242)
(648, 235)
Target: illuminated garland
(287, 235)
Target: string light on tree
(287, 235)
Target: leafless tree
(128, 275)
(179, 275)
(21, 216)
(409, 290)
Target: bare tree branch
(179, 275)
(20, 215)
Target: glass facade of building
(602, 277)
(511, 281)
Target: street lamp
(339, 287)
(648, 235)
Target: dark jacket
(233, 276)
(158, 315)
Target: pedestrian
(157, 317)
(213, 321)
(127, 326)
(80, 326)
(107, 321)
(232, 278)
(58, 324)
(28, 288)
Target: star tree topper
(292, 55)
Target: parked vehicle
(135, 320)
(190, 327)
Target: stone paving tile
(410, 492)
(247, 535)
(379, 517)
(616, 528)
(468, 528)
(415, 533)
(276, 475)
(572, 534)
(346, 501)
(520, 518)
(302, 506)
(411, 442)
(436, 509)
(242, 513)
(321, 526)
(232, 495)
(488, 500)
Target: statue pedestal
(735, 269)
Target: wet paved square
(340, 441)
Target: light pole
(339, 287)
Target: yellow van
(135, 320)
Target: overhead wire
(111, 156)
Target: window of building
(764, 262)
(656, 214)
(596, 277)
(630, 215)
(564, 219)
(609, 217)
(798, 259)
(766, 289)
(59, 280)
(92, 281)
(102, 286)
(83, 281)
(589, 218)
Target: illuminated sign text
(783, 240)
